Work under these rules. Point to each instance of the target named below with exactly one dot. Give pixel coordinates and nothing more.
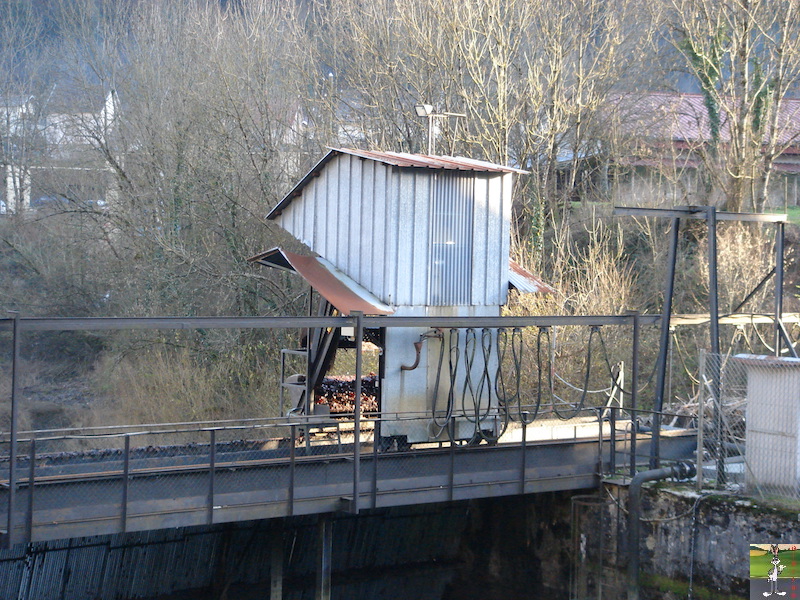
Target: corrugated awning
(526, 282)
(336, 287)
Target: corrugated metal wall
(451, 216)
(381, 546)
(382, 226)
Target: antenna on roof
(426, 110)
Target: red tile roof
(684, 117)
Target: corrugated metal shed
(414, 230)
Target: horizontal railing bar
(114, 323)
(530, 321)
(698, 212)
(32, 324)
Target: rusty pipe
(437, 333)
(418, 348)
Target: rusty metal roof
(397, 159)
(403, 159)
(336, 287)
(526, 282)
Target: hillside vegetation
(160, 133)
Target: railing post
(31, 481)
(452, 475)
(523, 459)
(600, 412)
(612, 457)
(701, 409)
(634, 395)
(290, 492)
(376, 439)
(359, 334)
(12, 465)
(126, 472)
(212, 468)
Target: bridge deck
(106, 497)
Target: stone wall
(703, 537)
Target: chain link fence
(749, 422)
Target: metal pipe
(418, 349)
(661, 368)
(679, 471)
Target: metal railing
(137, 470)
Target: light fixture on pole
(426, 110)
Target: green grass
(760, 565)
(792, 212)
(680, 588)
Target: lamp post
(426, 110)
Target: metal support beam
(779, 241)
(324, 555)
(661, 368)
(713, 303)
(276, 566)
(634, 395)
(12, 466)
(713, 290)
(31, 488)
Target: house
(18, 121)
(48, 155)
(657, 151)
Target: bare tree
(745, 54)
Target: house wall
(643, 186)
(784, 190)
(16, 190)
(374, 222)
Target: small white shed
(772, 424)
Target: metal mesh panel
(751, 425)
